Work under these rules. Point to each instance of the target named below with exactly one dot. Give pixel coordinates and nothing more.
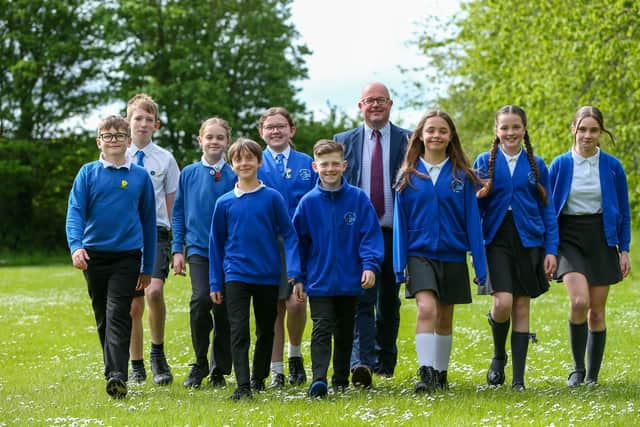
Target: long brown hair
(488, 185)
(415, 150)
(596, 114)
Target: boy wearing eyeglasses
(111, 231)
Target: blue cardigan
(298, 182)
(616, 215)
(196, 197)
(440, 223)
(536, 223)
(339, 238)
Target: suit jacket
(353, 141)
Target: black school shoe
(116, 388)
(257, 385)
(426, 380)
(361, 376)
(138, 375)
(495, 375)
(277, 381)
(161, 371)
(297, 375)
(195, 377)
(576, 378)
(441, 381)
(216, 379)
(241, 393)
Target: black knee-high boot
(519, 348)
(578, 338)
(595, 352)
(499, 331)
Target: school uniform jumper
(245, 263)
(199, 187)
(111, 214)
(533, 223)
(440, 222)
(339, 238)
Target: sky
(353, 42)
(358, 41)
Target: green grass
(51, 364)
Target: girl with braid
(521, 238)
(436, 222)
(591, 198)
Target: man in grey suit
(374, 152)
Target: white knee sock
(277, 368)
(443, 351)
(425, 345)
(294, 350)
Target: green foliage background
(550, 57)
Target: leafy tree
(51, 57)
(550, 57)
(232, 58)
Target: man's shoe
(195, 377)
(383, 373)
(160, 369)
(216, 379)
(241, 393)
(257, 385)
(277, 381)
(495, 375)
(138, 375)
(318, 389)
(116, 388)
(297, 375)
(361, 376)
(339, 386)
(426, 380)
(441, 381)
(517, 387)
(575, 378)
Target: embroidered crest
(350, 218)
(457, 185)
(304, 174)
(531, 177)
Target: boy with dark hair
(110, 219)
(340, 252)
(244, 262)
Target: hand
(550, 265)
(79, 258)
(298, 291)
(625, 263)
(144, 280)
(216, 297)
(368, 279)
(178, 264)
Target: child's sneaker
(318, 389)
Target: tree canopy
(549, 57)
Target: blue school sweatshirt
(440, 223)
(196, 197)
(113, 210)
(536, 223)
(340, 237)
(299, 181)
(616, 215)
(243, 242)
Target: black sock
(578, 339)
(519, 348)
(157, 349)
(499, 332)
(595, 352)
(137, 364)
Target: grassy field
(50, 369)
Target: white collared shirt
(107, 164)
(164, 173)
(511, 160)
(286, 153)
(367, 152)
(434, 170)
(239, 193)
(585, 196)
(217, 166)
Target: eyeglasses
(381, 100)
(109, 137)
(275, 127)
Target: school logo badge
(350, 218)
(457, 186)
(532, 178)
(124, 184)
(304, 174)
